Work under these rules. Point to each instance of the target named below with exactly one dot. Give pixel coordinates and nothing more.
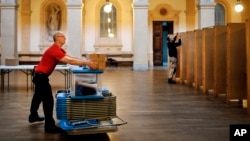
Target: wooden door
(157, 43)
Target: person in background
(43, 92)
(173, 43)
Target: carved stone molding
(163, 11)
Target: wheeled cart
(87, 107)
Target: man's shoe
(35, 119)
(171, 81)
(53, 129)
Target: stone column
(206, 10)
(140, 35)
(8, 30)
(74, 27)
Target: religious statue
(53, 20)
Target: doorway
(161, 29)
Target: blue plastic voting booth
(87, 107)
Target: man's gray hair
(56, 33)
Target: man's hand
(179, 36)
(92, 64)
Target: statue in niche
(53, 20)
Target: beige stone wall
(35, 41)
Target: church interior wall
(120, 45)
(126, 28)
(90, 26)
(89, 22)
(235, 17)
(35, 26)
(175, 11)
(19, 31)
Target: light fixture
(108, 7)
(111, 35)
(238, 7)
(109, 20)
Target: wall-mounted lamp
(238, 7)
(108, 6)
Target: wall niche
(53, 18)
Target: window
(108, 23)
(219, 14)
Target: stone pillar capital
(26, 12)
(140, 4)
(75, 4)
(206, 5)
(205, 1)
(75, 1)
(8, 1)
(140, 1)
(8, 4)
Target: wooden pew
(190, 58)
(207, 59)
(183, 56)
(198, 38)
(248, 63)
(178, 72)
(236, 62)
(219, 59)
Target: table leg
(8, 80)
(2, 79)
(27, 80)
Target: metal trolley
(87, 107)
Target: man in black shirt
(173, 43)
